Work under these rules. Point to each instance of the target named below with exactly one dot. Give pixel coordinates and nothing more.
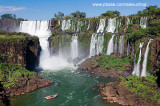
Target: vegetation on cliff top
(143, 86)
(15, 38)
(111, 62)
(152, 31)
(11, 74)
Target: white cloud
(10, 8)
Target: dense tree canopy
(111, 14)
(78, 14)
(59, 15)
(152, 11)
(8, 16)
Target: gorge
(82, 56)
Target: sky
(45, 9)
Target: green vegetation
(8, 16)
(11, 38)
(143, 86)
(59, 15)
(152, 31)
(78, 14)
(11, 74)
(84, 38)
(111, 62)
(107, 37)
(110, 14)
(151, 11)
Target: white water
(110, 46)
(115, 46)
(111, 25)
(136, 70)
(96, 45)
(121, 45)
(128, 47)
(101, 25)
(74, 47)
(144, 68)
(66, 24)
(79, 25)
(89, 25)
(41, 29)
(143, 22)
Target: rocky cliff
(17, 49)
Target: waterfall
(143, 22)
(144, 68)
(42, 30)
(59, 22)
(121, 44)
(101, 25)
(115, 46)
(111, 25)
(136, 70)
(74, 47)
(66, 24)
(128, 47)
(96, 45)
(79, 25)
(110, 46)
(73, 25)
(118, 24)
(89, 25)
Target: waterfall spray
(42, 30)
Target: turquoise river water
(74, 89)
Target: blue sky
(45, 9)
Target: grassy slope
(10, 74)
(111, 62)
(143, 86)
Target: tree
(78, 14)
(111, 14)
(59, 15)
(8, 16)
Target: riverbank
(16, 80)
(134, 91)
(112, 66)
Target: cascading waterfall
(115, 45)
(110, 46)
(111, 25)
(89, 25)
(128, 47)
(118, 24)
(144, 68)
(143, 22)
(66, 24)
(74, 47)
(121, 45)
(96, 45)
(136, 70)
(59, 22)
(79, 25)
(41, 29)
(101, 25)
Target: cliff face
(23, 50)
(155, 55)
(9, 25)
